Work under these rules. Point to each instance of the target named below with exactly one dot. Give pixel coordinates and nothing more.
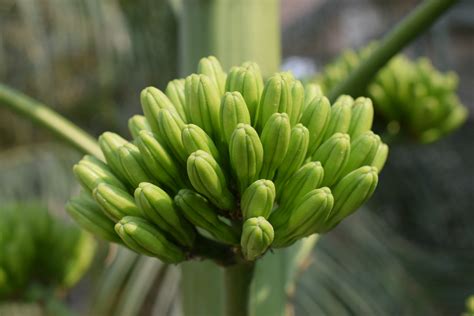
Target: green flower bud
(140, 236)
(89, 216)
(340, 120)
(212, 68)
(275, 140)
(90, 172)
(361, 118)
(158, 206)
(363, 151)
(297, 95)
(246, 155)
(208, 179)
(172, 126)
(334, 154)
(194, 138)
(116, 203)
(175, 92)
(315, 118)
(295, 155)
(132, 165)
(247, 80)
(258, 199)
(233, 111)
(136, 124)
(153, 100)
(350, 193)
(380, 157)
(257, 236)
(276, 98)
(203, 104)
(202, 214)
(307, 178)
(311, 91)
(109, 144)
(159, 162)
(306, 219)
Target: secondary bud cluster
(229, 158)
(37, 249)
(412, 96)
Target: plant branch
(237, 280)
(408, 29)
(49, 119)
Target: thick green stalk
(52, 121)
(406, 31)
(233, 30)
(237, 279)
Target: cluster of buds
(230, 161)
(412, 96)
(27, 235)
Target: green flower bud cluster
(412, 96)
(36, 248)
(233, 159)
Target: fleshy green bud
(297, 95)
(295, 155)
(212, 68)
(90, 172)
(203, 103)
(311, 91)
(89, 216)
(363, 151)
(258, 199)
(350, 193)
(307, 178)
(276, 98)
(340, 120)
(361, 118)
(233, 111)
(334, 154)
(257, 236)
(158, 206)
(454, 120)
(172, 126)
(306, 218)
(136, 124)
(316, 118)
(140, 236)
(109, 144)
(175, 92)
(200, 213)
(275, 140)
(159, 162)
(116, 203)
(153, 100)
(247, 80)
(380, 157)
(207, 178)
(195, 138)
(132, 165)
(246, 155)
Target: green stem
(408, 29)
(44, 116)
(237, 280)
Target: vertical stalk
(237, 279)
(233, 30)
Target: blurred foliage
(86, 58)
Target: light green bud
(212, 68)
(297, 95)
(315, 118)
(258, 199)
(109, 144)
(341, 113)
(175, 92)
(233, 111)
(136, 124)
(172, 126)
(153, 100)
(363, 151)
(132, 165)
(90, 172)
(361, 118)
(380, 157)
(195, 138)
(257, 236)
(116, 203)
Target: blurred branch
(408, 29)
(49, 119)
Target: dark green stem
(408, 29)
(237, 280)
(44, 116)
(219, 253)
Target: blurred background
(410, 252)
